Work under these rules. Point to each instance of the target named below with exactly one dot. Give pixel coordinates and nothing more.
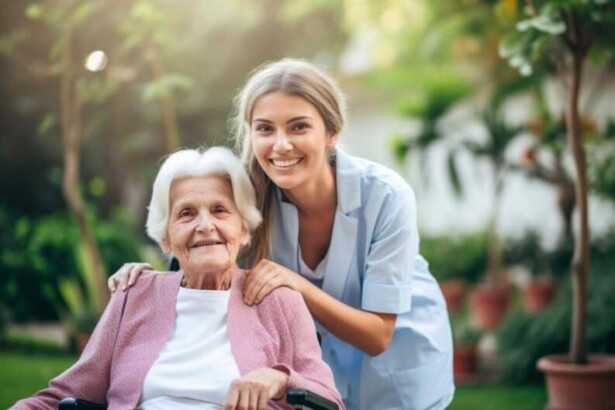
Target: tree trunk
(70, 121)
(580, 261)
(169, 118)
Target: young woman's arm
(386, 287)
(370, 332)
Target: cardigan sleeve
(301, 357)
(89, 377)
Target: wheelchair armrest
(302, 399)
(71, 403)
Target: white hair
(214, 161)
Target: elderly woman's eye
(219, 209)
(185, 212)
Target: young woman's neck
(317, 196)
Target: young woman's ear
(332, 140)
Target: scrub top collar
(342, 247)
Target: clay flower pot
(539, 294)
(489, 305)
(465, 361)
(571, 387)
(454, 292)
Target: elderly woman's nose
(205, 221)
(282, 142)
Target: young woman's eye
(263, 128)
(300, 126)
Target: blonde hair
(215, 161)
(291, 77)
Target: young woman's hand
(253, 390)
(266, 276)
(127, 275)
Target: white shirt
(196, 366)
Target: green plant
(526, 251)
(41, 261)
(523, 338)
(464, 334)
(456, 257)
(566, 33)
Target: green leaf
(510, 45)
(47, 123)
(453, 174)
(83, 12)
(548, 25)
(34, 11)
(524, 25)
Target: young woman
(341, 231)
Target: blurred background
(464, 98)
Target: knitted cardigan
(277, 333)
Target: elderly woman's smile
(205, 230)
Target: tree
(566, 32)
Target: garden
(503, 125)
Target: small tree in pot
(566, 32)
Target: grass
(24, 374)
(501, 397)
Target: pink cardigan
(132, 331)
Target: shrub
(37, 254)
(456, 257)
(523, 338)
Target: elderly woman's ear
(166, 244)
(245, 240)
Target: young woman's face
(290, 140)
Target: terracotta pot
(574, 387)
(81, 340)
(464, 361)
(489, 305)
(454, 292)
(539, 294)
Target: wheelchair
(300, 399)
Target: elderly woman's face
(205, 230)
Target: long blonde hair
(292, 77)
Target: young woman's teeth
(285, 163)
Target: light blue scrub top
(373, 264)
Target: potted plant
(540, 288)
(81, 327)
(456, 262)
(569, 31)
(465, 354)
(491, 298)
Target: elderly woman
(186, 340)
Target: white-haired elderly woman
(186, 340)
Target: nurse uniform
(373, 264)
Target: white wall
(525, 203)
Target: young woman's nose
(282, 143)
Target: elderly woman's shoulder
(151, 278)
(284, 297)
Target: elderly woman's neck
(208, 280)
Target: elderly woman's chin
(212, 258)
